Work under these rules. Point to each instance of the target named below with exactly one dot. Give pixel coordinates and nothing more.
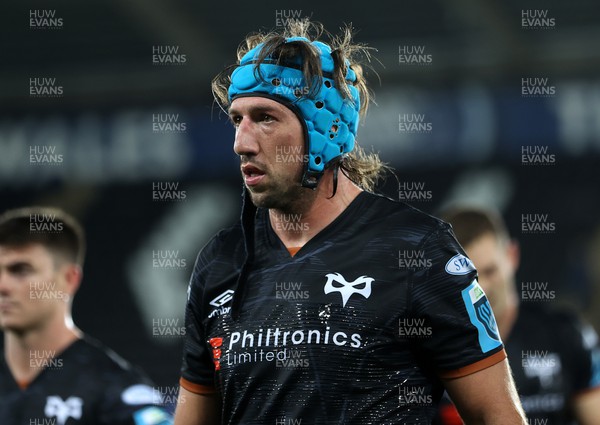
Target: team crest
(63, 410)
(337, 283)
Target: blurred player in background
(554, 356)
(50, 371)
(330, 352)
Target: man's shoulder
(228, 238)
(105, 362)
(398, 214)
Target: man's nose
(246, 141)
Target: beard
(283, 193)
(290, 199)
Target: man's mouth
(252, 174)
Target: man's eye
(20, 270)
(235, 120)
(267, 118)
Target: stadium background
(142, 156)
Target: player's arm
(487, 397)
(197, 409)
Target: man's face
(269, 140)
(32, 287)
(496, 263)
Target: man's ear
(513, 251)
(73, 274)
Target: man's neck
(27, 353)
(296, 228)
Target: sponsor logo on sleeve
(141, 394)
(459, 265)
(481, 316)
(152, 416)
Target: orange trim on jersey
(23, 384)
(475, 367)
(294, 250)
(196, 388)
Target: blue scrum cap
(330, 122)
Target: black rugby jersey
(554, 357)
(356, 328)
(87, 384)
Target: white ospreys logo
(337, 283)
(63, 410)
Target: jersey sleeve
(131, 399)
(197, 370)
(446, 296)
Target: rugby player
(360, 339)
(50, 371)
(555, 356)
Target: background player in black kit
(368, 337)
(50, 372)
(555, 357)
